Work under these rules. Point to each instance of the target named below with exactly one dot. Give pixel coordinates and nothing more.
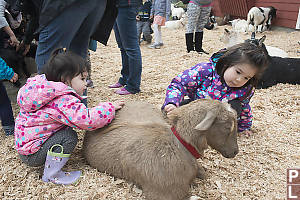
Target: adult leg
(66, 137)
(126, 22)
(60, 32)
(192, 14)
(125, 62)
(79, 43)
(203, 17)
(6, 112)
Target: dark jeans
(71, 29)
(127, 38)
(6, 112)
(66, 137)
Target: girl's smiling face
(238, 75)
(78, 83)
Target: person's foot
(154, 46)
(116, 85)
(122, 91)
(161, 44)
(202, 51)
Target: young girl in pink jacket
(50, 107)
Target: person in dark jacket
(127, 38)
(68, 24)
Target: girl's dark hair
(253, 53)
(64, 65)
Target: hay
(257, 172)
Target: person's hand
(26, 48)
(13, 41)
(168, 108)
(137, 18)
(247, 133)
(14, 78)
(118, 104)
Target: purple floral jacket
(47, 106)
(202, 81)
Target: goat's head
(258, 42)
(208, 122)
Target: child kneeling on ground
(50, 107)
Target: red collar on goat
(188, 146)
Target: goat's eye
(238, 72)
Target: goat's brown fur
(140, 147)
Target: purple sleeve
(245, 120)
(186, 83)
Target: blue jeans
(71, 29)
(127, 39)
(6, 112)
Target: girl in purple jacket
(50, 107)
(230, 76)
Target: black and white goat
(261, 16)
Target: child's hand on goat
(14, 78)
(168, 108)
(118, 104)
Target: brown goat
(140, 147)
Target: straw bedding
(257, 172)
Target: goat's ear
(261, 40)
(207, 121)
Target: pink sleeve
(73, 113)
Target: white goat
(231, 38)
(176, 13)
(175, 24)
(261, 16)
(240, 25)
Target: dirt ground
(257, 172)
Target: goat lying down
(140, 147)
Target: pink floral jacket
(47, 106)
